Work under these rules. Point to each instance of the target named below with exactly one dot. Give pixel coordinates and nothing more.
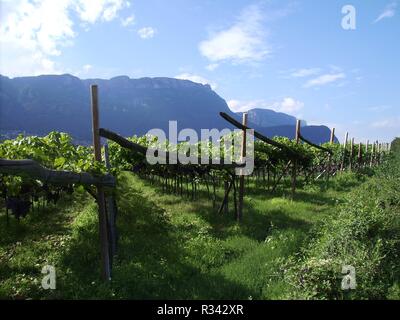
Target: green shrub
(365, 234)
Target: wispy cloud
(196, 78)
(83, 72)
(212, 66)
(388, 12)
(380, 108)
(302, 73)
(244, 41)
(35, 31)
(242, 106)
(146, 32)
(128, 21)
(93, 10)
(324, 80)
(289, 105)
(393, 122)
(286, 105)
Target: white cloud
(393, 122)
(242, 106)
(128, 21)
(388, 12)
(94, 10)
(380, 108)
(212, 66)
(302, 73)
(324, 79)
(32, 32)
(196, 78)
(84, 71)
(244, 41)
(286, 105)
(289, 105)
(87, 67)
(146, 32)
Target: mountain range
(38, 105)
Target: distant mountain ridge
(270, 118)
(128, 106)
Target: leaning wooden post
(241, 178)
(103, 229)
(344, 152)
(294, 167)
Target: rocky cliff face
(128, 106)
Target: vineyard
(159, 223)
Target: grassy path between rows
(169, 247)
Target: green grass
(169, 247)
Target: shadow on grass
(48, 220)
(256, 223)
(152, 262)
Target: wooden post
(226, 197)
(332, 139)
(294, 168)
(342, 167)
(226, 206)
(351, 154)
(371, 163)
(241, 178)
(103, 229)
(379, 152)
(112, 212)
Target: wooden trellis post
(111, 211)
(379, 145)
(103, 228)
(294, 167)
(331, 141)
(344, 152)
(241, 178)
(371, 163)
(226, 205)
(351, 154)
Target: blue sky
(290, 56)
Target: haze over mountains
(37, 105)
